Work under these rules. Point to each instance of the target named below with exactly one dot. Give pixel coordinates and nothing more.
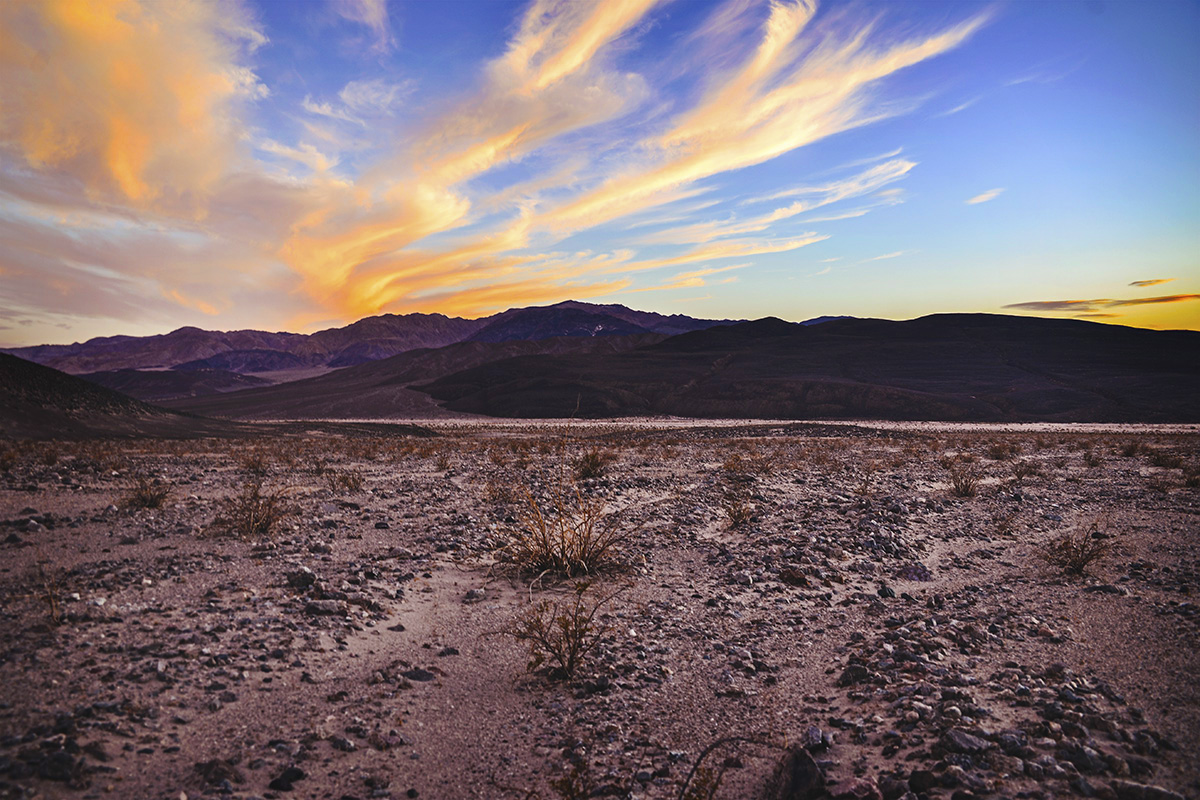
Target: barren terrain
(790, 610)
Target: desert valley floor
(783, 610)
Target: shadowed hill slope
(38, 402)
(158, 385)
(942, 367)
(380, 389)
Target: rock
(324, 608)
(855, 789)
(301, 578)
(855, 673)
(418, 674)
(797, 778)
(343, 744)
(922, 780)
(474, 595)
(1084, 758)
(956, 740)
(288, 777)
(1128, 790)
(58, 766)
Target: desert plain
(773, 609)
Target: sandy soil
(794, 604)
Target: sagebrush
(573, 537)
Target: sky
(299, 165)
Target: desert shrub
(1002, 451)
(868, 472)
(1025, 469)
(499, 493)
(348, 481)
(255, 462)
(146, 494)
(50, 590)
(443, 462)
(1165, 460)
(255, 513)
(1191, 478)
(593, 464)
(560, 635)
(737, 508)
(1092, 458)
(1075, 551)
(964, 481)
(573, 537)
(1131, 449)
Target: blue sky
(301, 165)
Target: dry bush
(737, 508)
(1025, 469)
(1075, 551)
(254, 513)
(255, 462)
(499, 493)
(560, 635)
(147, 494)
(51, 592)
(1002, 451)
(443, 462)
(964, 481)
(1165, 460)
(1092, 458)
(868, 472)
(348, 481)
(574, 537)
(1131, 449)
(593, 464)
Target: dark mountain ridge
(942, 367)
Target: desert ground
(766, 610)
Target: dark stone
(922, 780)
(797, 778)
(58, 766)
(1084, 758)
(418, 674)
(959, 741)
(855, 673)
(288, 777)
(1128, 790)
(856, 789)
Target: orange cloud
(139, 103)
(1152, 282)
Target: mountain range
(275, 356)
(578, 359)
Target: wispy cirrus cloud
(1151, 282)
(373, 14)
(885, 256)
(983, 197)
(1093, 306)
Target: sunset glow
(300, 165)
